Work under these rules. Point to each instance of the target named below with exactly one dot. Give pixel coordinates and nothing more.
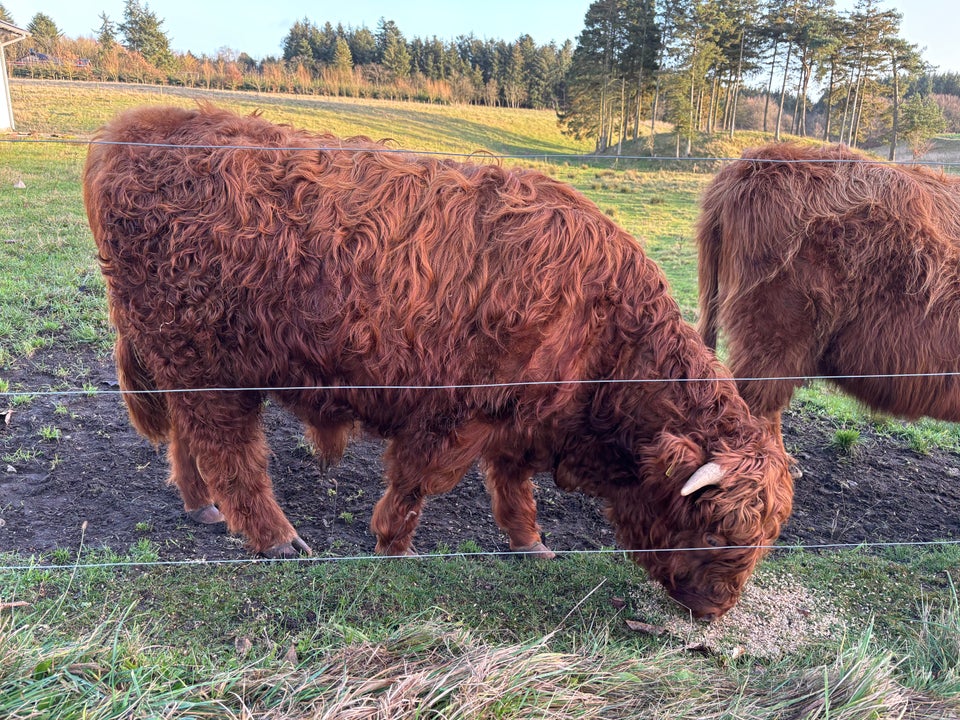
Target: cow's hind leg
(514, 508)
(150, 415)
(224, 438)
(416, 467)
(197, 500)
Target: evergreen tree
(904, 59)
(692, 33)
(142, 33)
(941, 83)
(107, 34)
(559, 69)
(594, 72)
(772, 29)
(640, 54)
(392, 49)
(873, 29)
(452, 62)
(5, 15)
(428, 58)
(538, 62)
(921, 119)
(298, 44)
(514, 87)
(342, 58)
(247, 63)
(387, 32)
(44, 31)
(832, 70)
(813, 38)
(323, 43)
(420, 59)
(363, 46)
(471, 52)
(396, 58)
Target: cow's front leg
(415, 467)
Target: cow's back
(830, 263)
(255, 255)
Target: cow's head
(701, 523)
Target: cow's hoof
(409, 552)
(537, 551)
(208, 515)
(289, 550)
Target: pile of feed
(776, 616)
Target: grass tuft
(859, 684)
(845, 439)
(932, 650)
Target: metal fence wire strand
(467, 386)
(482, 154)
(453, 555)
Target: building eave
(10, 34)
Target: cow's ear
(679, 455)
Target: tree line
(780, 66)
(315, 59)
(702, 66)
(493, 72)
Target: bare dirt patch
(66, 460)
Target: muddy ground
(73, 459)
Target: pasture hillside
(113, 605)
(72, 109)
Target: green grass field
(848, 634)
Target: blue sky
(259, 28)
(204, 26)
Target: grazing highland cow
(241, 254)
(821, 262)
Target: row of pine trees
(841, 76)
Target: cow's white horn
(705, 476)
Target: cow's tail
(146, 407)
(709, 247)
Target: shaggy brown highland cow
(821, 262)
(546, 337)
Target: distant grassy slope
(77, 109)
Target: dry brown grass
(433, 672)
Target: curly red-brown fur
(248, 268)
(832, 264)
